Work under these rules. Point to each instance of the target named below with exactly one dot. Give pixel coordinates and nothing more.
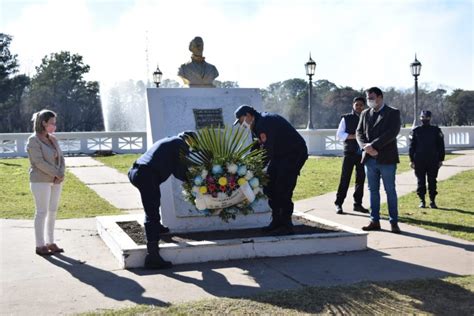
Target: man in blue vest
(153, 168)
(352, 158)
(286, 152)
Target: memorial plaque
(208, 118)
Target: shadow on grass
(109, 284)
(446, 226)
(458, 210)
(11, 164)
(317, 281)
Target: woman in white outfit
(46, 179)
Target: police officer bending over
(147, 173)
(286, 152)
(426, 156)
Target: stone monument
(197, 73)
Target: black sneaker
(273, 225)
(433, 204)
(422, 204)
(396, 229)
(339, 209)
(156, 262)
(359, 208)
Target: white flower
(200, 204)
(232, 168)
(204, 173)
(249, 175)
(195, 189)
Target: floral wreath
(225, 174)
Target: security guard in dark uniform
(147, 173)
(286, 152)
(426, 157)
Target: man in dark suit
(377, 136)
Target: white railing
(14, 145)
(319, 141)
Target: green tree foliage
(12, 87)
(59, 85)
(461, 107)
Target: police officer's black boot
(274, 223)
(153, 260)
(286, 225)
(422, 202)
(433, 203)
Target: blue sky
(354, 43)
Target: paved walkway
(86, 276)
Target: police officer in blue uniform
(286, 152)
(352, 158)
(426, 157)
(154, 167)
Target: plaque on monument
(208, 118)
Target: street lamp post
(157, 76)
(310, 67)
(415, 71)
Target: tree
(59, 86)
(460, 107)
(12, 87)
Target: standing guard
(426, 157)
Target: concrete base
(131, 255)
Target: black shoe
(433, 204)
(396, 229)
(339, 209)
(372, 226)
(271, 227)
(422, 204)
(156, 262)
(163, 229)
(282, 230)
(359, 208)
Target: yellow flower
(203, 190)
(242, 181)
(222, 180)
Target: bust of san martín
(197, 72)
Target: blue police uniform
(286, 152)
(149, 171)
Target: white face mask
(372, 104)
(245, 124)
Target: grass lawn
(447, 296)
(320, 175)
(77, 200)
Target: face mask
(245, 124)
(371, 103)
(50, 128)
(425, 122)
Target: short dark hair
(375, 90)
(362, 99)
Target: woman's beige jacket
(46, 161)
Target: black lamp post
(157, 76)
(310, 70)
(415, 71)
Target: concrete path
(86, 276)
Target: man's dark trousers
(425, 168)
(148, 184)
(283, 175)
(350, 161)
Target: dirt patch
(302, 227)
